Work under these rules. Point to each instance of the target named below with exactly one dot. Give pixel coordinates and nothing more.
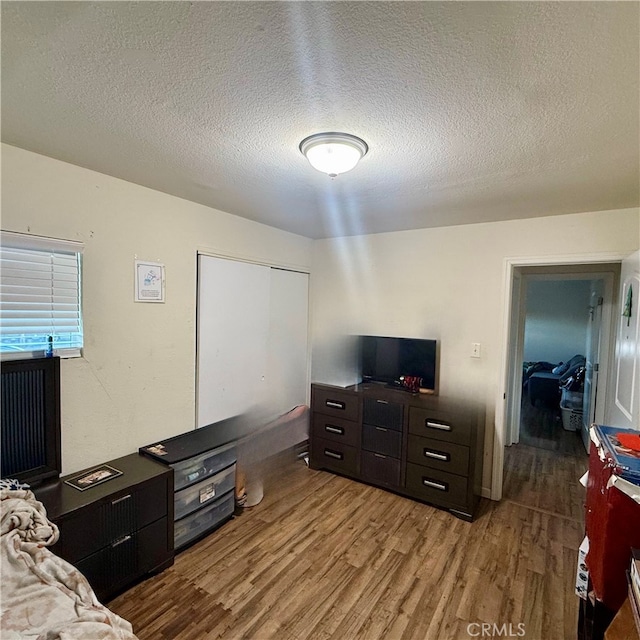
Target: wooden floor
(541, 427)
(324, 557)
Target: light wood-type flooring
(325, 557)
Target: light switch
(475, 349)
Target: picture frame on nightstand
(95, 476)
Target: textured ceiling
(473, 111)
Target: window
(40, 296)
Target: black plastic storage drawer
(195, 469)
(195, 497)
(197, 524)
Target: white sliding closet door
(251, 339)
(287, 340)
(233, 302)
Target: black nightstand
(118, 531)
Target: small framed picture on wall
(149, 281)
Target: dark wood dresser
(118, 531)
(425, 447)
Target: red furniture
(613, 527)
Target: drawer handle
(382, 401)
(117, 500)
(117, 543)
(335, 404)
(333, 454)
(441, 486)
(437, 425)
(331, 429)
(437, 455)
(379, 455)
(382, 429)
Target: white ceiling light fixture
(332, 152)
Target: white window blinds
(40, 295)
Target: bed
(42, 596)
(544, 380)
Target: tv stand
(421, 446)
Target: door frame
(523, 280)
(512, 301)
(516, 349)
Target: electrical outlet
(475, 349)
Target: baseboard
(485, 492)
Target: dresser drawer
(207, 464)
(333, 455)
(87, 530)
(195, 524)
(381, 413)
(438, 454)
(335, 402)
(336, 429)
(113, 567)
(194, 497)
(382, 440)
(436, 486)
(380, 469)
(440, 425)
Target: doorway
(562, 334)
(552, 335)
(510, 399)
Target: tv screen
(386, 359)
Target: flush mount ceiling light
(333, 153)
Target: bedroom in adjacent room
(564, 324)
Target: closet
(252, 351)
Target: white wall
(136, 381)
(557, 319)
(444, 283)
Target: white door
(252, 350)
(232, 334)
(287, 341)
(624, 411)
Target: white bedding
(42, 596)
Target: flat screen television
(388, 359)
(30, 434)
